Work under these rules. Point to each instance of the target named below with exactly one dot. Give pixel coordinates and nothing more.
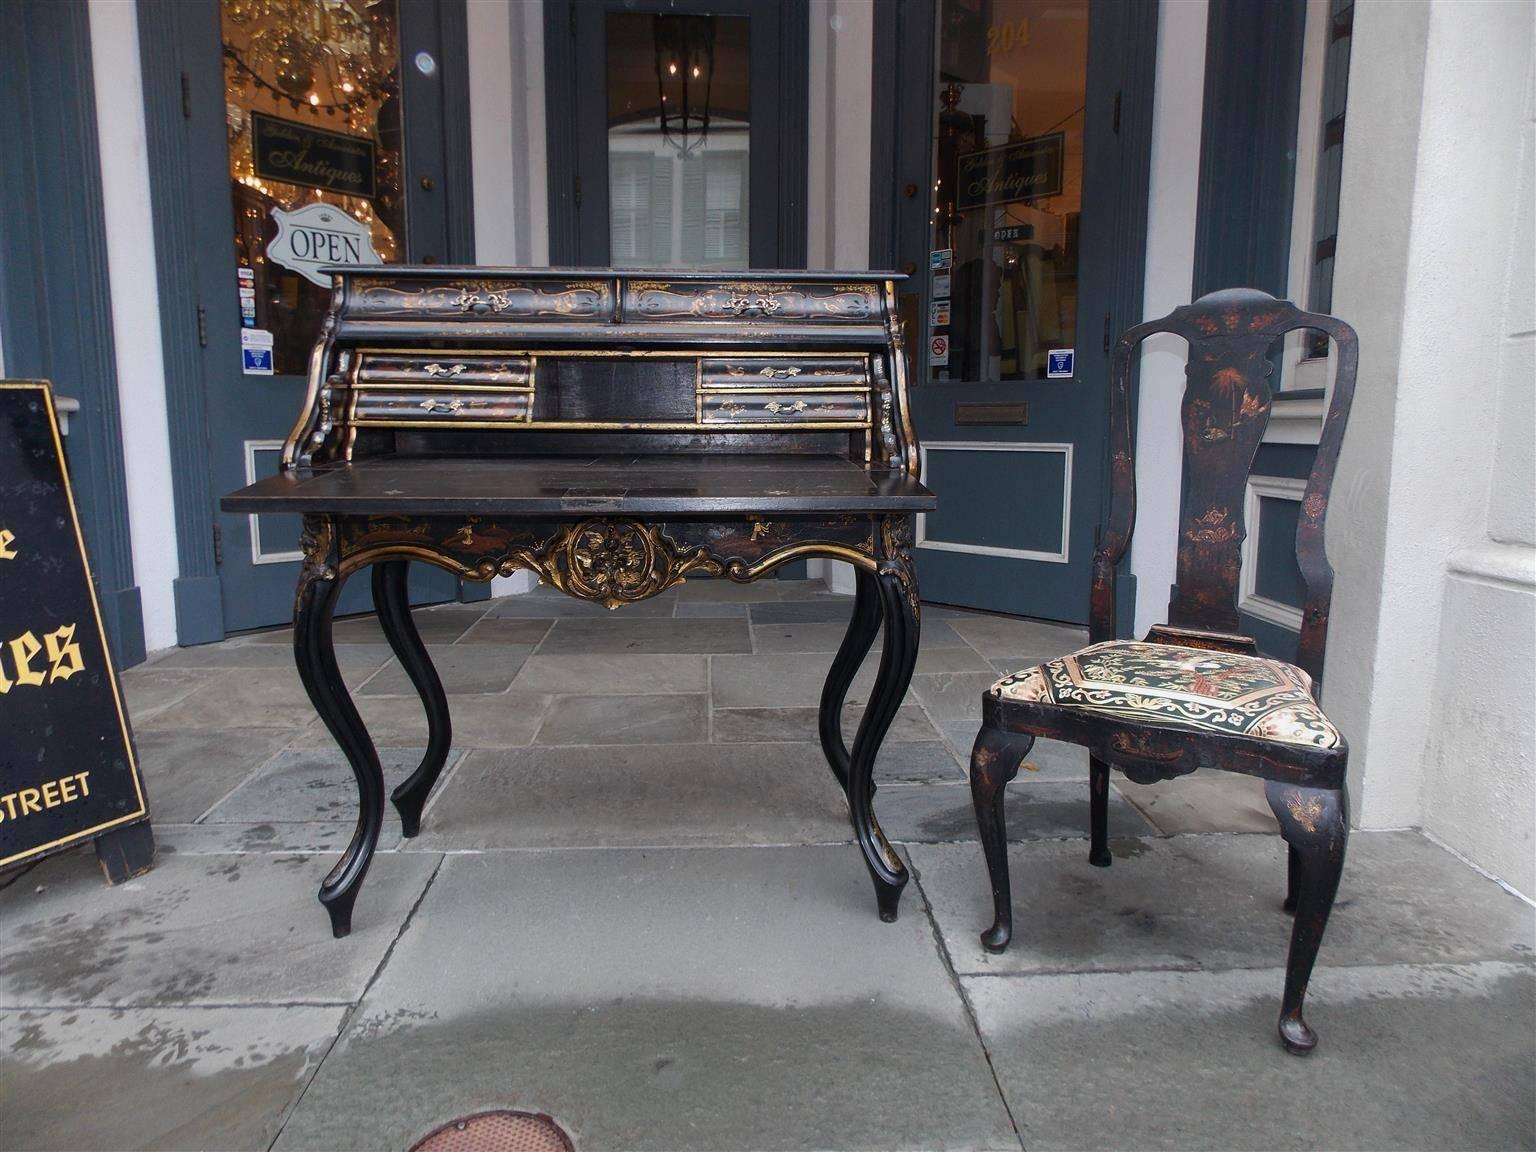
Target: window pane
(678, 96)
(312, 108)
(1009, 158)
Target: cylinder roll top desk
(614, 433)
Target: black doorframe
(781, 183)
(171, 147)
(55, 300)
(1123, 43)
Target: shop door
(1011, 408)
(688, 126)
(316, 140)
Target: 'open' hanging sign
(317, 236)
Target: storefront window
(1008, 199)
(312, 107)
(678, 120)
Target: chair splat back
(1227, 402)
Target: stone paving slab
(162, 1078)
(613, 674)
(547, 604)
(312, 784)
(1013, 637)
(754, 725)
(1422, 1057)
(952, 696)
(780, 680)
(686, 794)
(505, 720)
(147, 690)
(657, 637)
(506, 630)
(1053, 810)
(196, 930)
(828, 637)
(463, 668)
(302, 838)
(187, 773)
(824, 609)
(696, 999)
(676, 718)
(233, 698)
(1215, 902)
(356, 660)
(1204, 802)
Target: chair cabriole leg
(1098, 813)
(995, 760)
(1315, 824)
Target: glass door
(1011, 409)
(301, 160)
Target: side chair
(1195, 693)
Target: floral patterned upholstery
(1170, 686)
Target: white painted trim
(1297, 424)
(1295, 420)
(1249, 601)
(132, 277)
(1064, 450)
(254, 520)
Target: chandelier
(328, 55)
(685, 65)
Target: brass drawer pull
(443, 407)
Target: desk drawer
(374, 368)
(784, 407)
(737, 372)
(463, 406)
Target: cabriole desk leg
(862, 628)
(391, 600)
(315, 654)
(897, 588)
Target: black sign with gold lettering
(298, 154)
(67, 770)
(1024, 170)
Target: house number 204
(1007, 37)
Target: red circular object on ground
(503, 1131)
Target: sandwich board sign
(67, 769)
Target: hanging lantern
(685, 65)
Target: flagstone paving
(635, 905)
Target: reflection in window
(312, 112)
(1009, 159)
(678, 140)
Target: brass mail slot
(1017, 413)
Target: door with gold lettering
(318, 138)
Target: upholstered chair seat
(1192, 689)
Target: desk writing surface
(552, 485)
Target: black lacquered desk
(764, 424)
